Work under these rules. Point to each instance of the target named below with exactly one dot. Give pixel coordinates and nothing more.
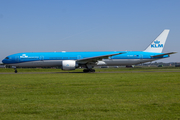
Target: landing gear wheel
(88, 70)
(85, 70)
(92, 70)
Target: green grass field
(130, 95)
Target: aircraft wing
(161, 55)
(96, 58)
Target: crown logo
(156, 42)
(23, 56)
(67, 65)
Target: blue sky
(87, 25)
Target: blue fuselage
(56, 58)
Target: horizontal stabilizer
(163, 54)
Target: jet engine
(69, 65)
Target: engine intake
(69, 65)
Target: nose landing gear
(15, 70)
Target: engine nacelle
(69, 65)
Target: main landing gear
(88, 70)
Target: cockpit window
(7, 58)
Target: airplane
(87, 60)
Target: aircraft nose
(4, 61)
